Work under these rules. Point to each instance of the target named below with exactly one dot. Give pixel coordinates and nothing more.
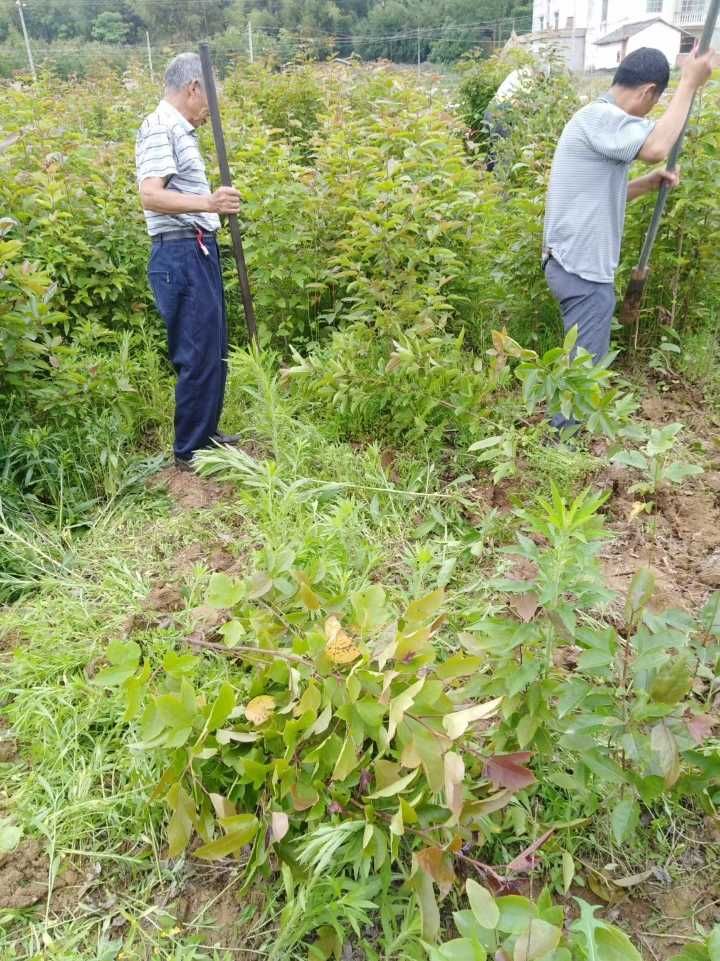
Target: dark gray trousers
(589, 305)
(583, 302)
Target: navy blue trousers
(188, 289)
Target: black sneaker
(226, 439)
(183, 464)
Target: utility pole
(418, 50)
(152, 72)
(250, 43)
(19, 5)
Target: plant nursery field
(405, 675)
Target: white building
(597, 34)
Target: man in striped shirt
(585, 208)
(182, 219)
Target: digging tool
(630, 310)
(233, 222)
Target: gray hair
(183, 70)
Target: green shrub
(481, 79)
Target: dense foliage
(399, 30)
(401, 691)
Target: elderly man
(182, 219)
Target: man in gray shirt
(585, 207)
(182, 219)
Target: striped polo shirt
(585, 205)
(167, 147)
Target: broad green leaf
(231, 843)
(539, 940)
(612, 944)
(482, 904)
(421, 883)
(631, 458)
(639, 594)
(182, 821)
(10, 835)
(222, 707)
(672, 682)
(134, 689)
(369, 608)
(665, 749)
(225, 591)
(425, 608)
(459, 949)
(487, 442)
(677, 472)
(603, 767)
(516, 912)
(713, 943)
(624, 819)
(124, 657)
(601, 941)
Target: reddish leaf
(508, 770)
(700, 726)
(525, 605)
(436, 863)
(525, 861)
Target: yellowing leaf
(539, 940)
(665, 748)
(340, 647)
(403, 702)
(260, 709)
(395, 788)
(456, 724)
(437, 863)
(454, 772)
(347, 760)
(637, 508)
(482, 903)
(280, 825)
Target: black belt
(182, 233)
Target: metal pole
(149, 51)
(630, 311)
(418, 51)
(251, 53)
(651, 235)
(233, 223)
(19, 5)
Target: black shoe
(183, 464)
(226, 439)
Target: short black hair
(644, 65)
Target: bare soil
(209, 900)
(189, 491)
(24, 876)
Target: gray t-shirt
(585, 206)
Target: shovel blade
(630, 310)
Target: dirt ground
(188, 491)
(680, 541)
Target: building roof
(550, 35)
(630, 29)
